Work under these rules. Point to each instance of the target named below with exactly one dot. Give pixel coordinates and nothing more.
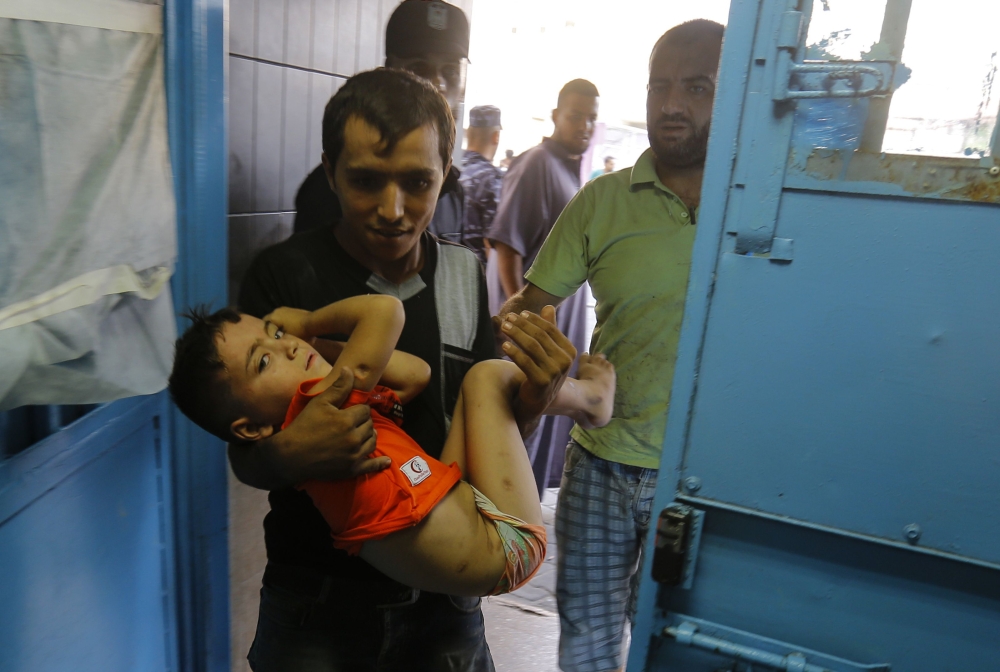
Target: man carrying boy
(387, 145)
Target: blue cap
(484, 116)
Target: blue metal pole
(195, 74)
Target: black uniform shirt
(481, 182)
(311, 270)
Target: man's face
(265, 366)
(609, 165)
(388, 200)
(574, 122)
(445, 71)
(682, 78)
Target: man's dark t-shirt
(311, 270)
(317, 206)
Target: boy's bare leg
(485, 441)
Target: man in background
(535, 190)
(480, 178)
(630, 234)
(431, 40)
(609, 167)
(508, 157)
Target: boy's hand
(545, 356)
(292, 321)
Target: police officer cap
(484, 116)
(419, 27)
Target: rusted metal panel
(922, 176)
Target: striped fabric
(601, 520)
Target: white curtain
(87, 216)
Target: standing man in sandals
(630, 233)
(388, 137)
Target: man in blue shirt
(480, 178)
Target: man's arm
(532, 299)
(324, 443)
(510, 268)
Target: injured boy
(467, 524)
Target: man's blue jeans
(334, 632)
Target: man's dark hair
(578, 86)
(197, 383)
(689, 31)
(396, 103)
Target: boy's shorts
(523, 544)
(374, 506)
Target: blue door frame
(196, 94)
(835, 413)
(113, 544)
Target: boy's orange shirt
(373, 506)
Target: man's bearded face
(682, 76)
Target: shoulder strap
(456, 295)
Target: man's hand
(325, 442)
(545, 356)
(292, 321)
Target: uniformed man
(431, 40)
(480, 178)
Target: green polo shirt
(631, 237)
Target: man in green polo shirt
(630, 233)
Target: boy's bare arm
(324, 442)
(374, 322)
(407, 375)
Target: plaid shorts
(601, 521)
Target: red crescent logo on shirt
(416, 470)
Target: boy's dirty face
(265, 367)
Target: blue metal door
(835, 422)
(113, 554)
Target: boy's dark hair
(578, 86)
(396, 103)
(196, 382)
